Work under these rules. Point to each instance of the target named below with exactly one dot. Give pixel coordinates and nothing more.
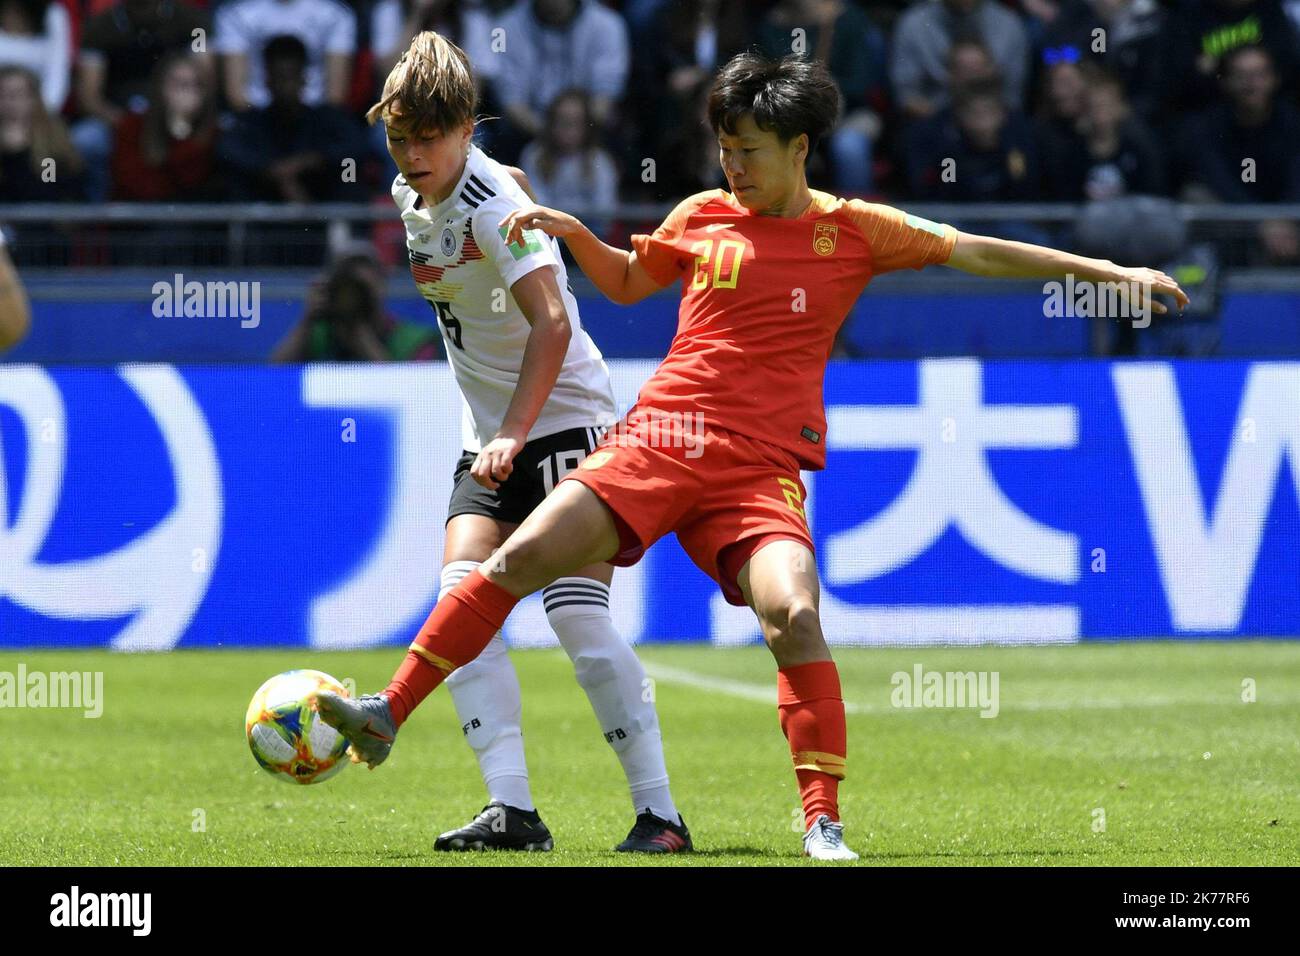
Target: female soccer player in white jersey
(536, 398)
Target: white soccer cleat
(825, 841)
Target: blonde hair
(430, 88)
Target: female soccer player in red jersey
(769, 271)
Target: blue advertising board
(152, 506)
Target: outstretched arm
(615, 272)
(1003, 258)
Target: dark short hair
(788, 96)
(284, 46)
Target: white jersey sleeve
(516, 260)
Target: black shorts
(538, 468)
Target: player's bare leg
(569, 530)
(779, 582)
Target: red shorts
(724, 494)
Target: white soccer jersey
(464, 269)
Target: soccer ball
(287, 736)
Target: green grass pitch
(1152, 739)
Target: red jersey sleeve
(899, 240)
(658, 252)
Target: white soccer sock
(615, 682)
(486, 694)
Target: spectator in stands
(1063, 94)
(923, 36)
(554, 45)
(345, 320)
(37, 160)
(37, 164)
(1123, 35)
(969, 61)
(684, 44)
(327, 30)
(168, 152)
(120, 48)
(690, 154)
(290, 151)
(566, 165)
(841, 36)
(1204, 31)
(1062, 99)
(977, 151)
(926, 144)
(1112, 154)
(37, 36)
(1243, 148)
(15, 310)
(393, 24)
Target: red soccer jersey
(762, 300)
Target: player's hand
(495, 462)
(1151, 282)
(550, 221)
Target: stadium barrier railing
(269, 234)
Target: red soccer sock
(456, 631)
(811, 709)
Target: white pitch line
(764, 694)
(759, 693)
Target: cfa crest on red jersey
(824, 234)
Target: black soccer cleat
(652, 834)
(499, 827)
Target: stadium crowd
(601, 102)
